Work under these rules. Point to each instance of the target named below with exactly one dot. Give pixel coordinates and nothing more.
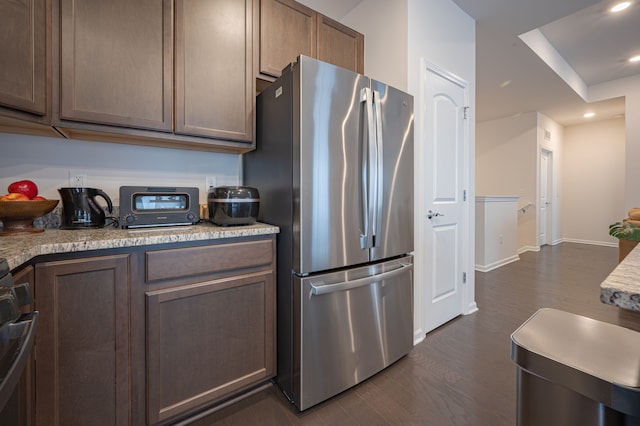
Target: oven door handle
(319, 287)
(24, 329)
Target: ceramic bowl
(17, 216)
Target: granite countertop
(18, 249)
(622, 286)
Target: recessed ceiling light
(620, 6)
(589, 115)
(635, 59)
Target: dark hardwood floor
(462, 373)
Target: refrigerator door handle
(377, 175)
(319, 287)
(368, 171)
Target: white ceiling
(594, 44)
(591, 41)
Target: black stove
(17, 331)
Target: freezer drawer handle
(318, 287)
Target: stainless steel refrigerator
(334, 167)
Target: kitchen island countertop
(622, 287)
(18, 249)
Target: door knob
(431, 215)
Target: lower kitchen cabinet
(210, 325)
(82, 341)
(206, 341)
(152, 334)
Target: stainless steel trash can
(574, 370)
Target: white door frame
(468, 256)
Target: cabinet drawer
(191, 261)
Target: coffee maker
(80, 208)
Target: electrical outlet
(77, 178)
(210, 181)
(80, 181)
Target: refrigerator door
(393, 111)
(352, 324)
(328, 137)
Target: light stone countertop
(622, 287)
(19, 249)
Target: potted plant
(628, 235)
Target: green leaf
(625, 231)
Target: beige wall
(632, 179)
(594, 180)
(506, 165)
(629, 88)
(384, 25)
(588, 174)
(47, 161)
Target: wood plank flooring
(462, 373)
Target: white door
(444, 196)
(545, 204)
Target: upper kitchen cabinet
(289, 29)
(25, 53)
(168, 73)
(215, 87)
(340, 45)
(116, 62)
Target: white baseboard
(590, 242)
(473, 307)
(528, 248)
(495, 265)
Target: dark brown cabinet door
(82, 342)
(116, 63)
(340, 45)
(208, 340)
(287, 29)
(23, 55)
(215, 84)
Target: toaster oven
(146, 206)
